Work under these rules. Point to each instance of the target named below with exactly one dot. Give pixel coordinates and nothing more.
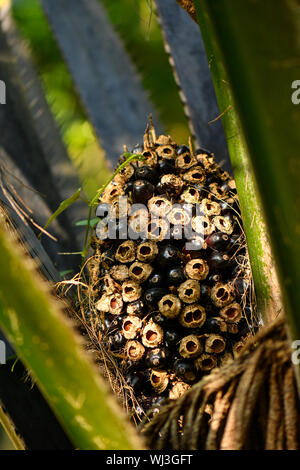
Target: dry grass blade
(221, 408)
(290, 412)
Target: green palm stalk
(253, 49)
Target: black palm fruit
(166, 167)
(153, 296)
(146, 173)
(172, 336)
(175, 276)
(142, 190)
(168, 255)
(168, 303)
(185, 370)
(157, 358)
(218, 241)
(157, 279)
(159, 319)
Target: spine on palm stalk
(170, 275)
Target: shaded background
(137, 25)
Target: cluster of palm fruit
(170, 309)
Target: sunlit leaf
(63, 206)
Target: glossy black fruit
(157, 358)
(159, 318)
(203, 151)
(116, 341)
(166, 167)
(193, 247)
(168, 255)
(233, 272)
(218, 241)
(136, 308)
(108, 323)
(212, 279)
(172, 336)
(152, 296)
(245, 328)
(250, 316)
(240, 286)
(185, 370)
(212, 178)
(204, 292)
(157, 279)
(146, 173)
(235, 240)
(159, 188)
(181, 149)
(212, 325)
(175, 276)
(135, 380)
(128, 187)
(210, 309)
(142, 191)
(225, 207)
(219, 261)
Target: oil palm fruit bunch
(170, 275)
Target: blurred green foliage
(136, 23)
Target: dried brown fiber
(250, 403)
(188, 5)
